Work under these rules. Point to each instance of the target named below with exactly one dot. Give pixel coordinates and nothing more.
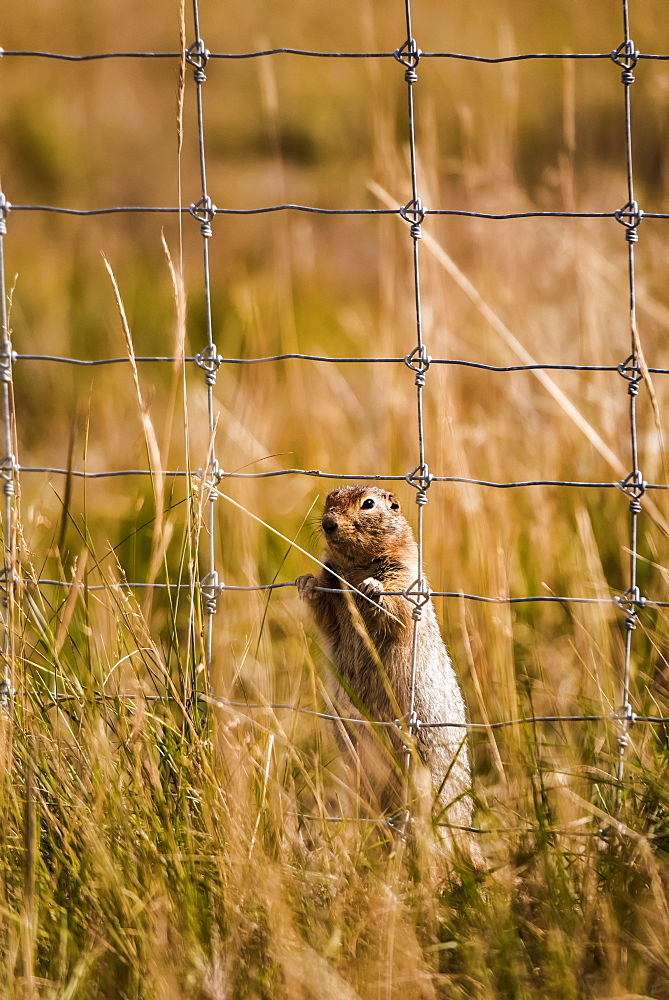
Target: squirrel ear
(394, 502)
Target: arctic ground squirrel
(369, 636)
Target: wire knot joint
(409, 726)
(7, 358)
(197, 56)
(629, 370)
(4, 212)
(409, 56)
(418, 594)
(419, 362)
(629, 216)
(210, 478)
(8, 468)
(209, 361)
(209, 588)
(413, 723)
(634, 486)
(630, 603)
(214, 477)
(414, 213)
(205, 213)
(624, 718)
(421, 480)
(6, 693)
(626, 56)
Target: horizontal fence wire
(454, 362)
(315, 53)
(631, 602)
(318, 474)
(315, 210)
(223, 588)
(612, 717)
(57, 697)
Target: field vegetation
(154, 846)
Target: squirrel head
(363, 523)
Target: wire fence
(16, 581)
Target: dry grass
(148, 852)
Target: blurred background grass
(565, 917)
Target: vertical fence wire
(630, 216)
(204, 211)
(409, 56)
(7, 473)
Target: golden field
(146, 851)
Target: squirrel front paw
(305, 586)
(373, 589)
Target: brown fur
(369, 543)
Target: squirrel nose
(328, 524)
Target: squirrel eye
(367, 504)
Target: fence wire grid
(19, 583)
